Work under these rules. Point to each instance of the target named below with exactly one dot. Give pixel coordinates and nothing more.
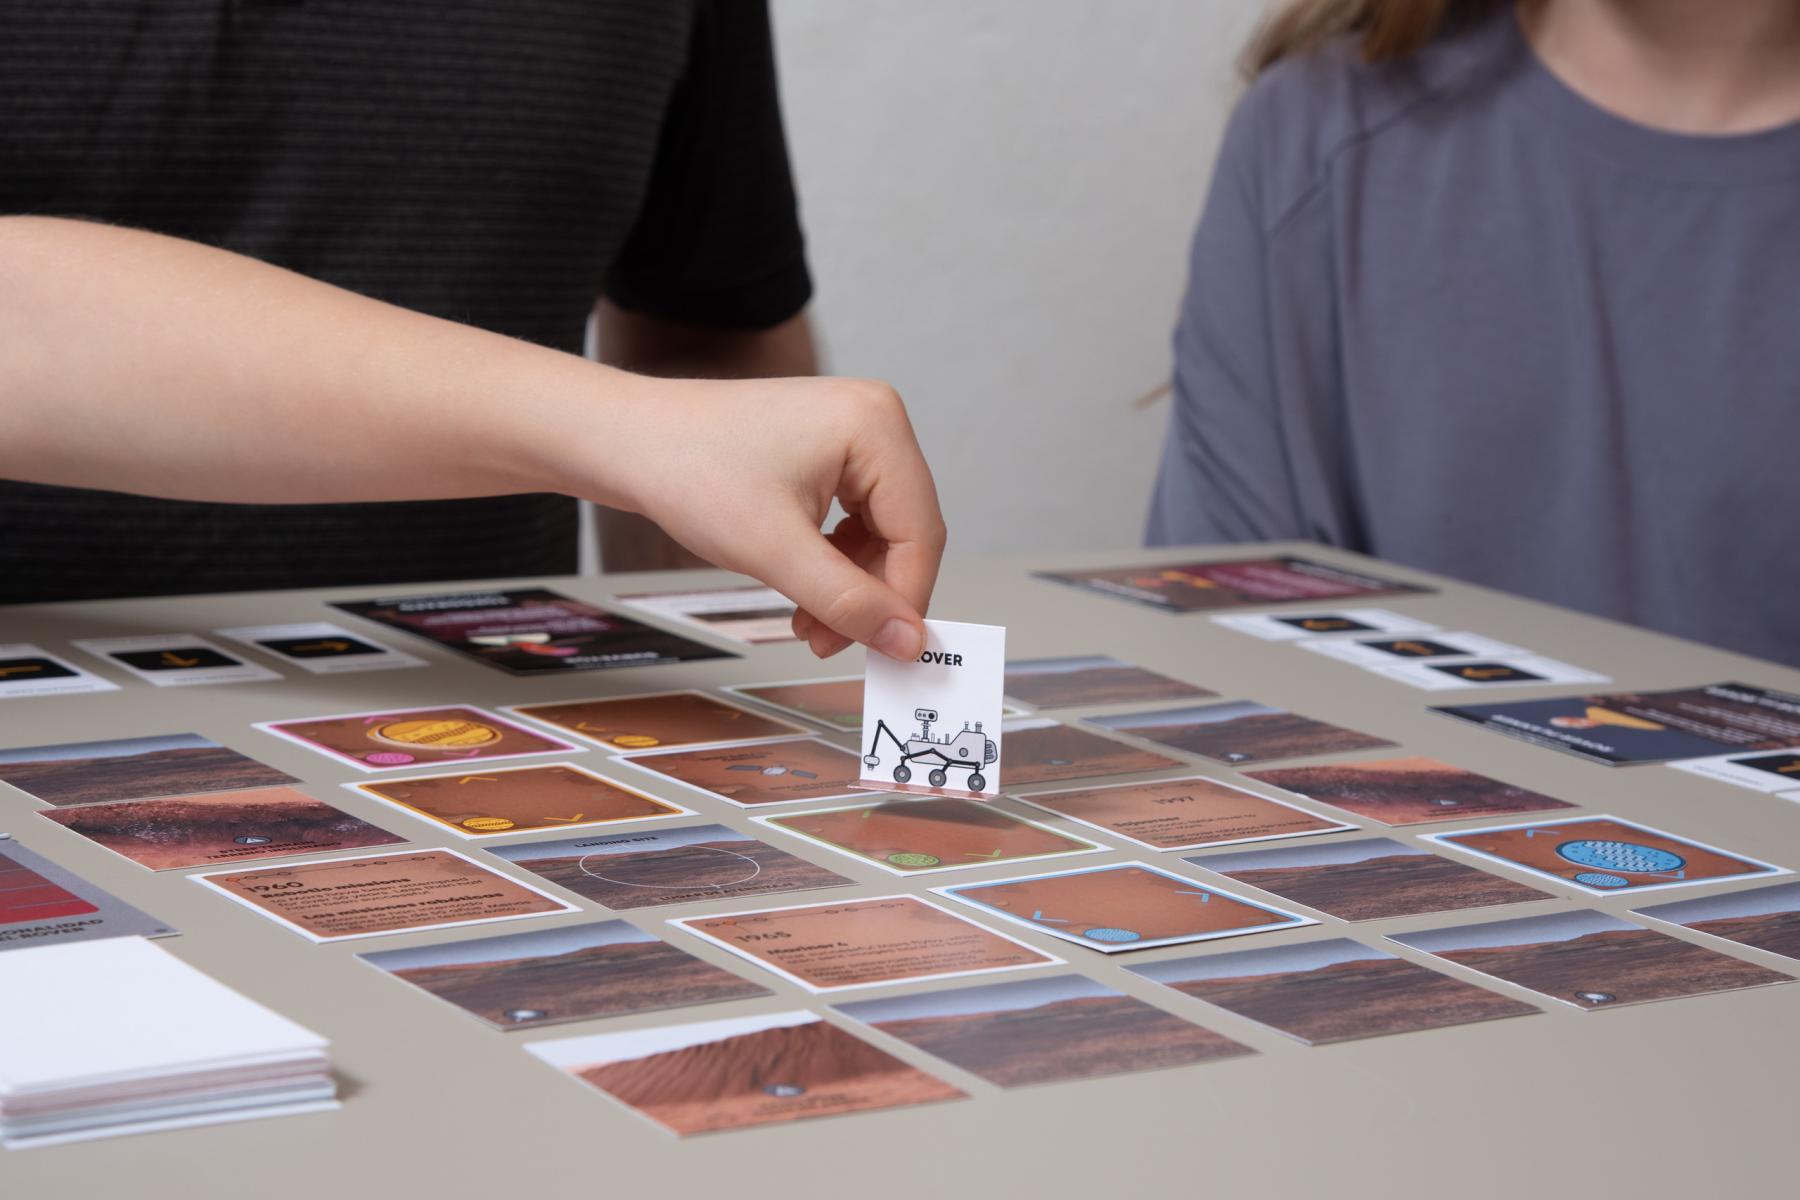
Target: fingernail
(898, 639)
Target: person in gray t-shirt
(1450, 310)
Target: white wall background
(998, 196)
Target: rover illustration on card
(970, 751)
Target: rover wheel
(976, 782)
(938, 777)
(902, 773)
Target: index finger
(889, 485)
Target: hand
(743, 473)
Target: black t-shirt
(494, 164)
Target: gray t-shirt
(1450, 313)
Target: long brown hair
(1384, 29)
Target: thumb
(844, 598)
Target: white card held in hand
(934, 725)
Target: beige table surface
(1686, 1097)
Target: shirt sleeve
(1227, 472)
(718, 241)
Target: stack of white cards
(118, 1036)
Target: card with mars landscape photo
(487, 802)
(1406, 791)
(858, 943)
(1764, 918)
(658, 720)
(42, 904)
(1128, 906)
(1043, 1030)
(140, 768)
(801, 768)
(743, 1071)
(927, 834)
(836, 702)
(173, 832)
(1091, 681)
(1367, 879)
(1239, 731)
(1604, 855)
(415, 737)
(1589, 960)
(1183, 814)
(1039, 750)
(1335, 990)
(654, 867)
(564, 973)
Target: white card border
(389, 659)
(696, 788)
(1295, 920)
(84, 680)
(270, 727)
(204, 878)
(1554, 672)
(358, 787)
(1720, 768)
(247, 670)
(1769, 870)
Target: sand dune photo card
(857, 943)
(1367, 879)
(485, 802)
(1406, 791)
(801, 768)
(1129, 906)
(1039, 750)
(1589, 960)
(918, 836)
(1043, 1030)
(1091, 681)
(1183, 814)
(1239, 731)
(742, 1072)
(220, 827)
(564, 973)
(1329, 991)
(654, 867)
(1764, 918)
(836, 702)
(140, 768)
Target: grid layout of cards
(571, 810)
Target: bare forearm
(134, 362)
